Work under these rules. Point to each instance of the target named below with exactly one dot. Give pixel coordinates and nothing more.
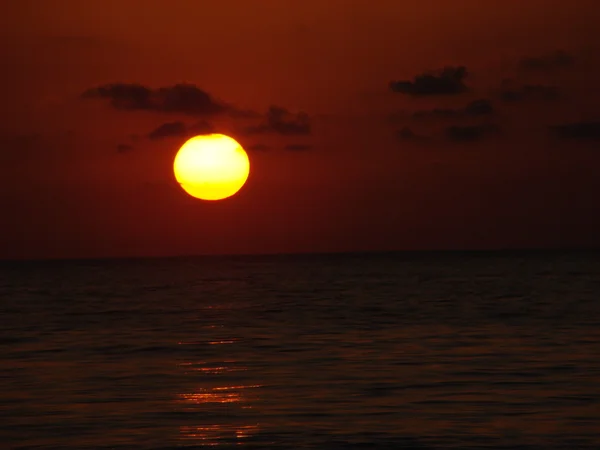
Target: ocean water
(359, 351)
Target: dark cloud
(478, 107)
(123, 148)
(180, 129)
(202, 127)
(447, 81)
(187, 98)
(258, 148)
(578, 130)
(516, 93)
(297, 147)
(169, 129)
(122, 95)
(551, 61)
(180, 98)
(469, 133)
(280, 121)
(443, 113)
(406, 133)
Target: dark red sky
(84, 176)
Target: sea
(446, 350)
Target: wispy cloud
(180, 98)
(180, 129)
(547, 62)
(281, 121)
(469, 133)
(577, 130)
(447, 81)
(480, 107)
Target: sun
(211, 167)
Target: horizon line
(491, 250)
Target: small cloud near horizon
(281, 121)
(447, 81)
(180, 129)
(123, 148)
(577, 130)
(511, 91)
(298, 147)
(469, 133)
(179, 98)
(547, 62)
(479, 107)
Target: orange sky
(351, 183)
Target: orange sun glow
(211, 167)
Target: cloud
(202, 127)
(478, 107)
(180, 129)
(447, 81)
(406, 133)
(577, 130)
(123, 148)
(533, 92)
(469, 133)
(180, 98)
(436, 112)
(298, 147)
(168, 129)
(122, 95)
(280, 121)
(550, 61)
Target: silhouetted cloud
(478, 107)
(578, 130)
(443, 113)
(547, 62)
(279, 120)
(202, 127)
(123, 148)
(516, 93)
(122, 95)
(180, 129)
(406, 133)
(168, 129)
(449, 80)
(180, 98)
(469, 133)
(297, 147)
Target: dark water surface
(349, 351)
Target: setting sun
(211, 167)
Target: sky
(388, 125)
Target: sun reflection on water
(224, 408)
(213, 435)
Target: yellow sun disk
(211, 167)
